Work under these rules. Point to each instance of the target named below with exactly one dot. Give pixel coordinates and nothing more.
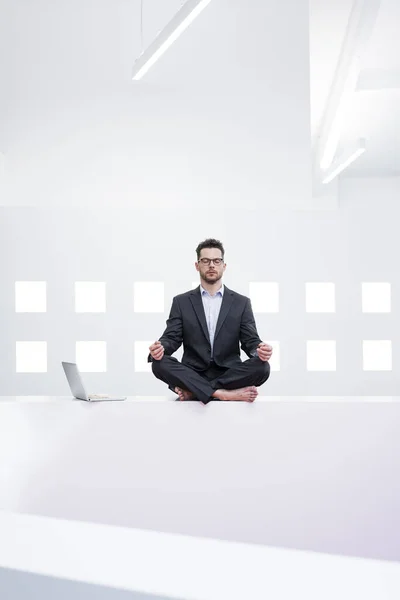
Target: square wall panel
(376, 297)
(320, 297)
(148, 297)
(91, 357)
(377, 355)
(275, 360)
(141, 351)
(264, 296)
(321, 355)
(30, 296)
(31, 357)
(90, 297)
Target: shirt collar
(220, 291)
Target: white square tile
(275, 360)
(141, 352)
(321, 355)
(320, 297)
(31, 357)
(376, 297)
(264, 296)
(30, 296)
(91, 357)
(90, 297)
(148, 297)
(377, 355)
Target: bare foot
(247, 394)
(184, 394)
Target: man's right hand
(157, 350)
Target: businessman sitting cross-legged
(212, 322)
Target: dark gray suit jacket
(187, 324)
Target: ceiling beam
(378, 79)
(359, 28)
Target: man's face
(210, 272)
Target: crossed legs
(236, 383)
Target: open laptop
(78, 389)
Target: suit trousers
(203, 384)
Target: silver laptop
(78, 389)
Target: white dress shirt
(212, 306)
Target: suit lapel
(195, 298)
(226, 304)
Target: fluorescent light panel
(91, 357)
(376, 297)
(320, 297)
(141, 350)
(148, 297)
(90, 297)
(31, 357)
(341, 165)
(264, 296)
(377, 355)
(183, 18)
(30, 297)
(321, 355)
(275, 360)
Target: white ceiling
(56, 54)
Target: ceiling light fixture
(360, 26)
(343, 163)
(167, 36)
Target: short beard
(207, 280)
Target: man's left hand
(264, 351)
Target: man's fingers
(155, 346)
(157, 350)
(264, 346)
(265, 355)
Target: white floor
(288, 497)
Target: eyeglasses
(208, 261)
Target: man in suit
(211, 322)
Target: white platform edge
(186, 567)
(171, 398)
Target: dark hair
(210, 243)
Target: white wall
(357, 243)
(114, 181)
(223, 118)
